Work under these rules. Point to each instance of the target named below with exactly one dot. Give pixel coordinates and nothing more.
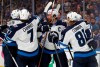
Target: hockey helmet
(15, 14)
(79, 17)
(24, 14)
(72, 16)
(53, 12)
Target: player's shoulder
(32, 18)
(59, 22)
(35, 17)
(18, 26)
(68, 28)
(85, 22)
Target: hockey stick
(57, 55)
(4, 41)
(11, 55)
(42, 46)
(47, 7)
(55, 43)
(66, 47)
(44, 39)
(58, 7)
(70, 53)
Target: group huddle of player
(31, 40)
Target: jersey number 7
(31, 33)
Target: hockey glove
(53, 37)
(45, 28)
(92, 44)
(2, 28)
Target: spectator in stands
(95, 26)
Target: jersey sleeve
(36, 19)
(65, 37)
(87, 25)
(12, 34)
(88, 30)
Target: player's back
(78, 38)
(28, 37)
(25, 35)
(78, 35)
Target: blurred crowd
(90, 11)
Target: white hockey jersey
(25, 35)
(78, 36)
(57, 27)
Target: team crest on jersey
(59, 29)
(50, 33)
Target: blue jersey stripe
(66, 46)
(28, 54)
(60, 43)
(9, 44)
(52, 51)
(85, 54)
(7, 41)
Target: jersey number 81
(82, 37)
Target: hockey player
(78, 34)
(49, 48)
(9, 46)
(14, 18)
(25, 35)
